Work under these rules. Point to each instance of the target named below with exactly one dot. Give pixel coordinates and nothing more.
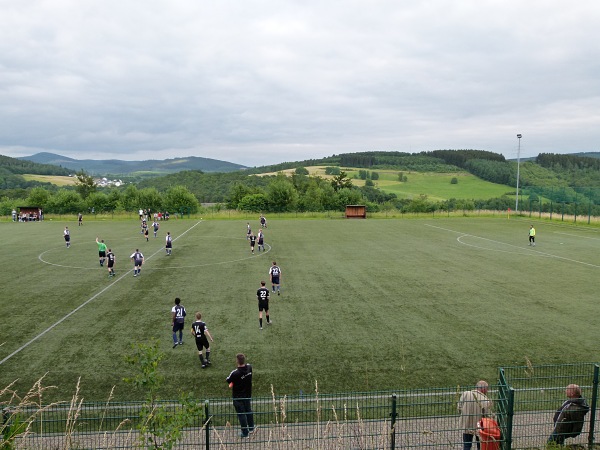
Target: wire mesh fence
(523, 403)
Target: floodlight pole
(518, 171)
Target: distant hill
(588, 154)
(120, 167)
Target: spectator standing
(472, 406)
(240, 381)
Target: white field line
(89, 300)
(532, 251)
(578, 236)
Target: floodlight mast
(519, 136)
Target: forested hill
(13, 169)
(120, 167)
(20, 166)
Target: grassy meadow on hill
(366, 304)
(436, 186)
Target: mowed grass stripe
(366, 304)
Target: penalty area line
(91, 299)
(534, 252)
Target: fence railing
(525, 399)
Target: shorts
(275, 279)
(67, 238)
(110, 264)
(202, 342)
(137, 263)
(177, 326)
(169, 245)
(102, 254)
(263, 305)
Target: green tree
(341, 181)
(66, 201)
(38, 196)
(178, 198)
(282, 195)
(130, 198)
(85, 184)
(97, 202)
(150, 198)
(302, 171)
(237, 192)
(254, 203)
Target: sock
(174, 338)
(260, 322)
(268, 320)
(201, 358)
(207, 356)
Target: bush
(454, 180)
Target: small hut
(356, 212)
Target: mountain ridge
(124, 167)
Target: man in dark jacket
(240, 381)
(569, 418)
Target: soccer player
(252, 242)
(146, 234)
(178, 318)
(532, 236)
(144, 227)
(67, 235)
(155, 226)
(80, 219)
(248, 230)
(263, 221)
(261, 240)
(110, 263)
(101, 251)
(263, 304)
(275, 275)
(200, 331)
(169, 243)
(138, 259)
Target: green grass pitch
(365, 304)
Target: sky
(258, 82)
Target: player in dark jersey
(178, 318)
(110, 263)
(168, 243)
(144, 227)
(252, 242)
(261, 240)
(200, 331)
(275, 275)
(138, 259)
(263, 304)
(263, 221)
(146, 234)
(80, 219)
(240, 382)
(67, 235)
(155, 226)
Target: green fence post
(393, 422)
(593, 408)
(207, 425)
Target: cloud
(260, 82)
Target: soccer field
(365, 304)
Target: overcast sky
(260, 82)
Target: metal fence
(524, 399)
